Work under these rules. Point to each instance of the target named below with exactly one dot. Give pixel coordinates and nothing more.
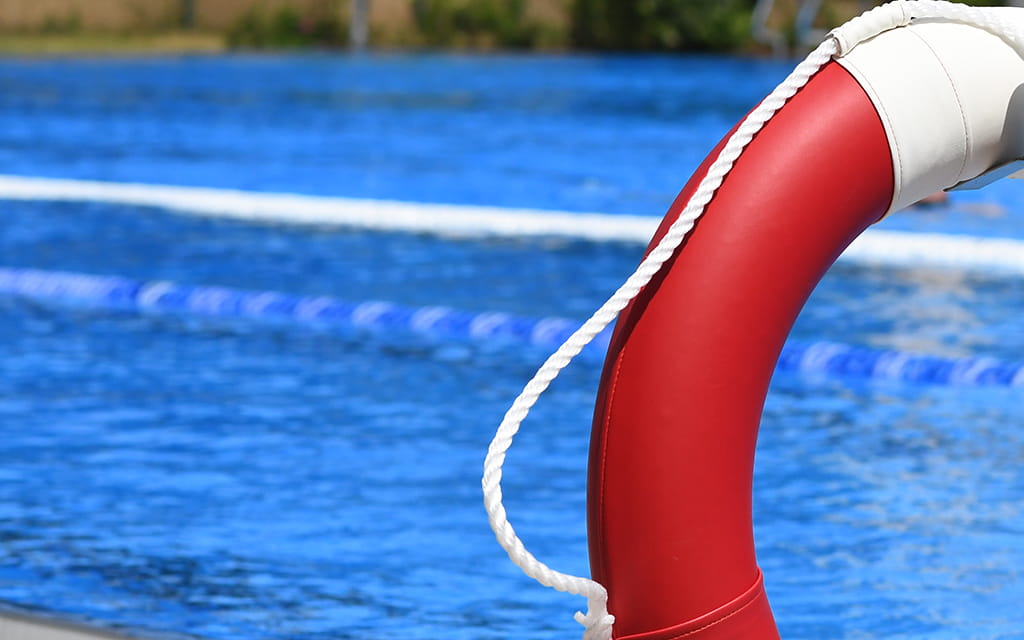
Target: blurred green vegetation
(65, 24)
(661, 25)
(285, 27)
(90, 43)
(603, 25)
(480, 23)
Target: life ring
(909, 112)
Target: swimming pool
(229, 478)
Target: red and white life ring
(909, 112)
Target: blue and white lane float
(160, 296)
(824, 359)
(902, 249)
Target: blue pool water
(238, 479)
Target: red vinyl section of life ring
(675, 427)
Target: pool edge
(19, 625)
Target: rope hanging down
(597, 621)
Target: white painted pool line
(383, 215)
(885, 248)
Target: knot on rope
(597, 622)
(870, 24)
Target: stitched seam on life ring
(718, 621)
(605, 436)
(968, 143)
(897, 153)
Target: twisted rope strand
(995, 21)
(597, 621)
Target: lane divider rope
(114, 292)
(811, 358)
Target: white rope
(994, 20)
(597, 621)
(897, 14)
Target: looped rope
(597, 621)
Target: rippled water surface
(237, 479)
